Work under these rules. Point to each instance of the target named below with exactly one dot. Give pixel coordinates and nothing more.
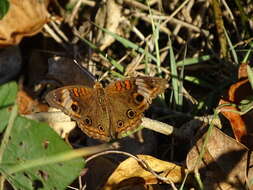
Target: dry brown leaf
(241, 123)
(109, 16)
(224, 163)
(130, 174)
(239, 91)
(24, 18)
(28, 105)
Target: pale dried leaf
(60, 122)
(131, 172)
(24, 18)
(109, 17)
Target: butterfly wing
(84, 105)
(128, 99)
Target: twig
(231, 16)
(52, 34)
(158, 126)
(58, 30)
(89, 3)
(75, 10)
(175, 12)
(173, 20)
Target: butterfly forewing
(82, 105)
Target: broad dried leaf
(109, 17)
(132, 175)
(224, 163)
(24, 18)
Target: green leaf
(8, 93)
(28, 140)
(33, 140)
(7, 98)
(4, 7)
(245, 105)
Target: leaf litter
(111, 39)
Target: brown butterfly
(107, 113)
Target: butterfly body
(107, 113)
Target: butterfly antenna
(85, 70)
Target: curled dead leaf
(131, 174)
(110, 17)
(28, 105)
(236, 121)
(239, 116)
(24, 18)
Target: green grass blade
(175, 78)
(231, 48)
(199, 82)
(192, 61)
(250, 75)
(247, 56)
(155, 29)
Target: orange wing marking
(128, 84)
(118, 86)
(75, 92)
